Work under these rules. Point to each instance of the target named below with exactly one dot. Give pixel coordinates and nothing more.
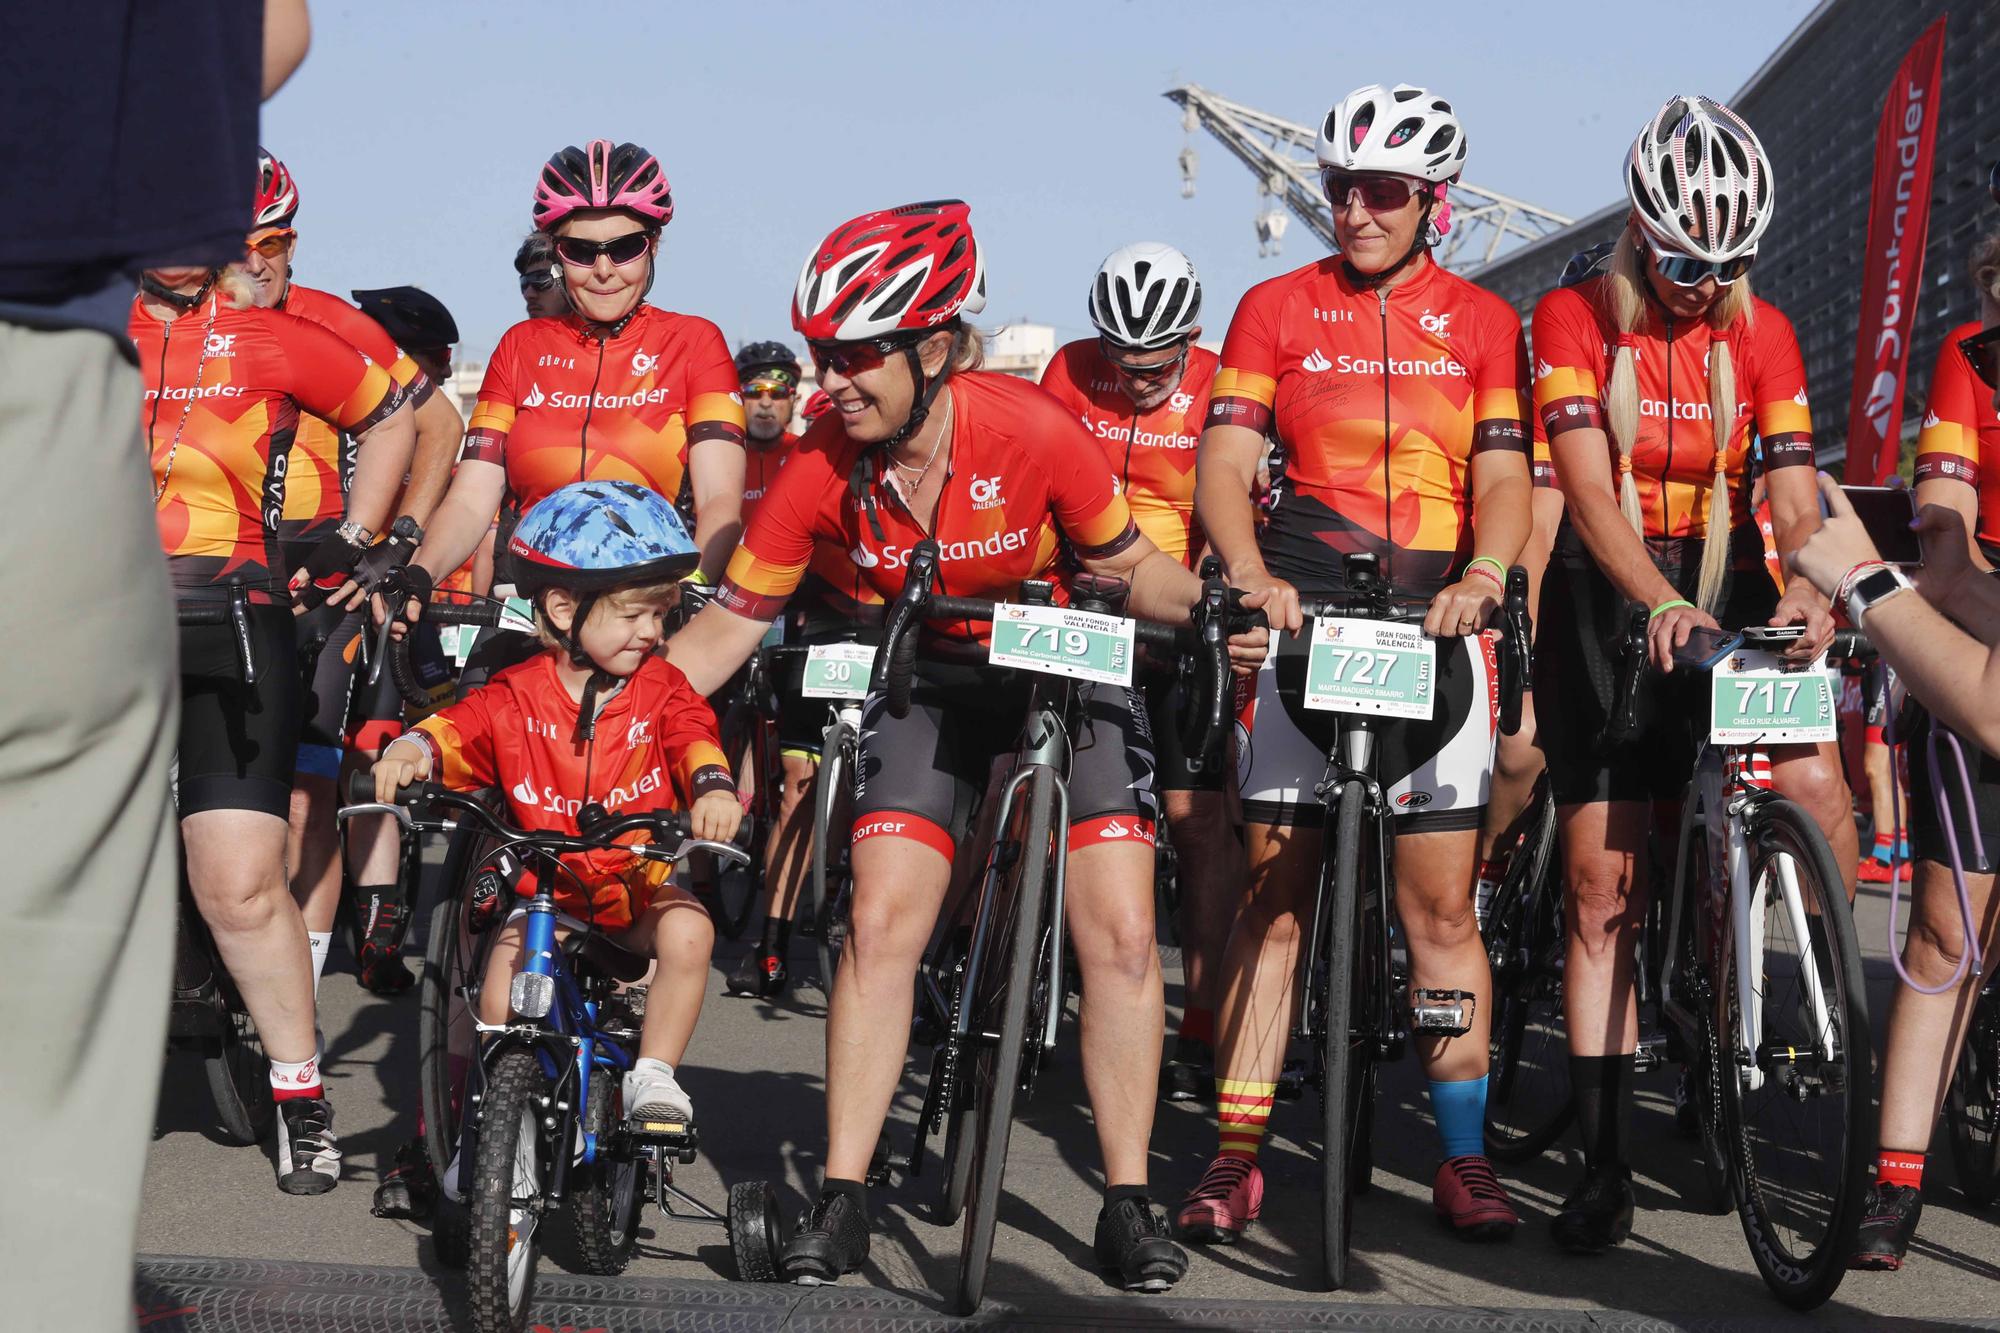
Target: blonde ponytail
(1732, 302)
(1621, 387)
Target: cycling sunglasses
(858, 358)
(1115, 354)
(1379, 193)
(1982, 349)
(538, 280)
(766, 392)
(621, 250)
(271, 244)
(1687, 271)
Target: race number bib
(1367, 666)
(1082, 645)
(838, 671)
(1755, 699)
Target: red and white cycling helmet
(1699, 181)
(899, 270)
(603, 175)
(277, 193)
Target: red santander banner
(1899, 217)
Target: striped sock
(1900, 1168)
(1884, 844)
(295, 1080)
(1242, 1111)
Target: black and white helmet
(1405, 129)
(1699, 182)
(1146, 295)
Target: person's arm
(1546, 506)
(287, 35)
(439, 430)
(716, 469)
(1165, 590)
(381, 461)
(1225, 475)
(1964, 590)
(463, 518)
(1794, 519)
(711, 647)
(1502, 518)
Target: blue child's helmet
(593, 535)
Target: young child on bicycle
(596, 724)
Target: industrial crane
(1281, 155)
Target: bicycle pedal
(1442, 1013)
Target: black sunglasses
(849, 359)
(537, 280)
(622, 250)
(1116, 353)
(1982, 349)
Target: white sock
(319, 941)
(300, 1080)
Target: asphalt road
(755, 1076)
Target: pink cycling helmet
(603, 175)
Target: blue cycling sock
(1460, 1108)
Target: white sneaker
(652, 1094)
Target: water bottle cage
(1442, 1013)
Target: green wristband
(1668, 606)
(1498, 568)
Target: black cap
(413, 317)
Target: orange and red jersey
(761, 465)
(1961, 432)
(1152, 453)
(1673, 460)
(1380, 400)
(655, 748)
(560, 404)
(222, 404)
(321, 466)
(1024, 481)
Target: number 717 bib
(1755, 699)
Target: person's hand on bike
(1464, 608)
(1947, 553)
(329, 568)
(401, 764)
(1802, 605)
(715, 816)
(1669, 630)
(409, 584)
(1277, 599)
(1250, 646)
(1838, 546)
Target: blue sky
(416, 130)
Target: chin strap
(861, 479)
(586, 712)
(180, 301)
(1421, 245)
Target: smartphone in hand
(1887, 512)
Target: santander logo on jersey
(534, 397)
(548, 798)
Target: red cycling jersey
(761, 465)
(655, 749)
(1673, 460)
(1379, 399)
(560, 405)
(321, 466)
(1961, 433)
(1152, 453)
(1023, 480)
(222, 403)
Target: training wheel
(756, 1230)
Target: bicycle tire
(239, 1078)
(439, 1096)
(1528, 1103)
(996, 1066)
(826, 885)
(756, 1230)
(1972, 1106)
(500, 1276)
(1805, 1267)
(737, 889)
(1339, 1085)
(1696, 971)
(606, 1196)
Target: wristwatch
(1875, 587)
(354, 533)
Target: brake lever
(400, 813)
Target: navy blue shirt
(131, 144)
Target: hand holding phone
(1888, 515)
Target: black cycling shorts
(1927, 838)
(326, 637)
(917, 772)
(1578, 660)
(239, 742)
(1167, 714)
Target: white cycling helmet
(1146, 295)
(1699, 181)
(1404, 129)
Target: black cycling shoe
(1132, 1237)
(1189, 1074)
(380, 958)
(760, 975)
(832, 1240)
(1596, 1216)
(1291, 1082)
(410, 1188)
(1888, 1221)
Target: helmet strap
(180, 301)
(586, 709)
(861, 486)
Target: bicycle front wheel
(1973, 1103)
(1344, 1079)
(1797, 1096)
(1000, 996)
(506, 1198)
(830, 819)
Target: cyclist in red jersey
(616, 390)
(923, 445)
(318, 472)
(225, 385)
(1398, 394)
(1637, 374)
(1141, 389)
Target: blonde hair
(665, 593)
(1985, 266)
(1624, 296)
(236, 288)
(968, 348)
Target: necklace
(944, 433)
(201, 364)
